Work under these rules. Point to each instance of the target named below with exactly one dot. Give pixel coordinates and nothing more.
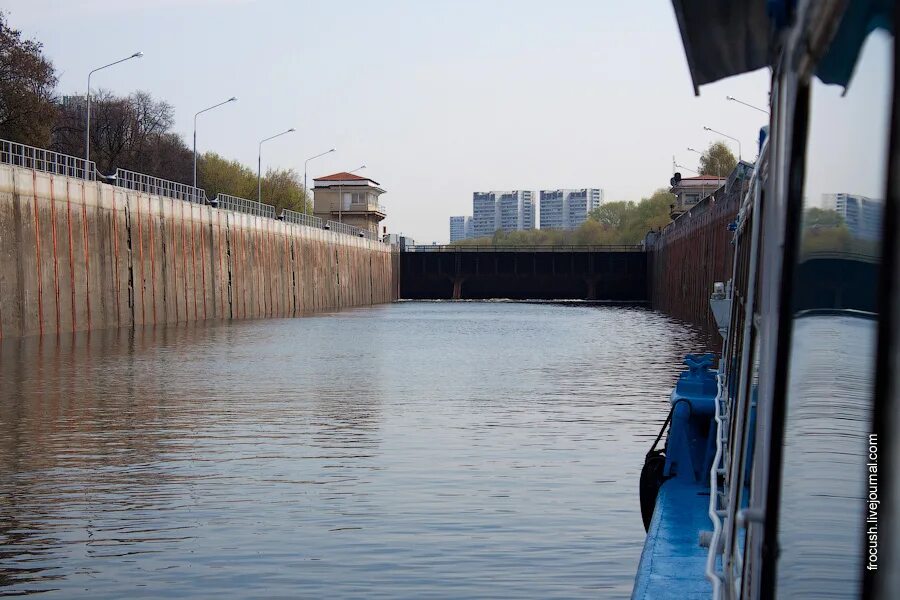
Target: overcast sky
(438, 98)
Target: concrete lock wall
(78, 255)
(692, 253)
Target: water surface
(407, 451)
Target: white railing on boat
(714, 510)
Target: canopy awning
(722, 39)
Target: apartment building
(506, 210)
(862, 215)
(461, 228)
(567, 209)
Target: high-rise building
(460, 228)
(484, 214)
(862, 215)
(507, 211)
(567, 209)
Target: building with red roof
(691, 190)
(350, 199)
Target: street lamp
(685, 168)
(733, 99)
(357, 169)
(87, 129)
(259, 163)
(718, 170)
(728, 136)
(305, 188)
(232, 99)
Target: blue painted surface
(673, 564)
(690, 446)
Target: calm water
(410, 450)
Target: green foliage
(610, 223)
(218, 175)
(821, 217)
(717, 160)
(281, 187)
(611, 214)
(824, 230)
(284, 189)
(629, 222)
(27, 83)
(826, 239)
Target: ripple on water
(409, 450)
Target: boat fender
(653, 471)
(651, 480)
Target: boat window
(833, 338)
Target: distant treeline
(615, 223)
(824, 230)
(133, 132)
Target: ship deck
(673, 564)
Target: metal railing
(348, 230)
(242, 205)
(339, 227)
(490, 248)
(362, 207)
(159, 187)
(298, 218)
(38, 159)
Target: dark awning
(722, 39)
(860, 18)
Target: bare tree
(131, 133)
(27, 83)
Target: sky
(437, 98)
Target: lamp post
(305, 188)
(718, 170)
(87, 128)
(306, 162)
(733, 99)
(728, 136)
(341, 195)
(259, 162)
(232, 99)
(685, 168)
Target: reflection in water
(824, 472)
(448, 449)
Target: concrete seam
(229, 261)
(130, 247)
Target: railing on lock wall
(250, 207)
(159, 187)
(298, 218)
(38, 159)
(349, 230)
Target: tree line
(612, 223)
(615, 223)
(133, 132)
